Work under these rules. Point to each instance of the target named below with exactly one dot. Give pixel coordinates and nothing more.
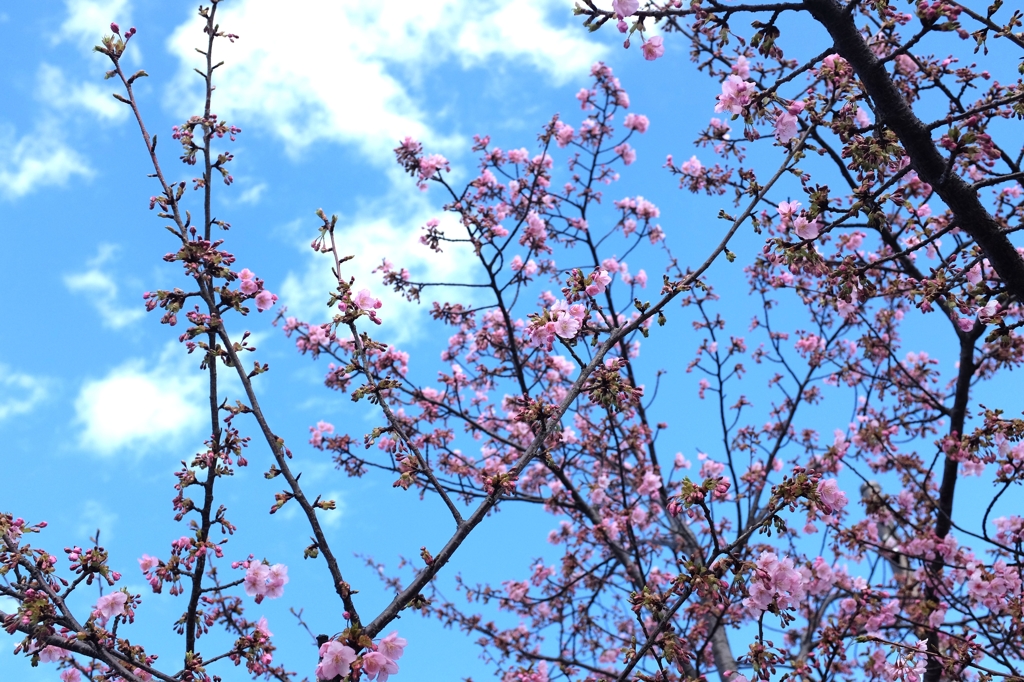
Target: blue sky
(99, 403)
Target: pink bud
(115, 28)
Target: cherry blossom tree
(795, 549)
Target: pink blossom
(692, 167)
(277, 578)
(736, 94)
(364, 300)
(637, 122)
(627, 153)
(807, 229)
(392, 646)
(625, 8)
(429, 165)
(785, 127)
(317, 336)
(265, 300)
(905, 65)
(584, 97)
(563, 133)
(831, 495)
(566, 326)
(248, 285)
(255, 581)
(378, 666)
(651, 484)
(336, 659)
(741, 67)
(774, 580)
(520, 155)
(148, 563)
(49, 654)
(110, 606)
(787, 209)
(70, 675)
(653, 48)
(263, 628)
(640, 278)
(601, 280)
(988, 311)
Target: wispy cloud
(19, 393)
(88, 19)
(57, 91)
(35, 160)
(252, 195)
(339, 82)
(139, 406)
(97, 284)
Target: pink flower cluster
(785, 122)
(110, 606)
(262, 580)
(736, 94)
(250, 285)
(600, 280)
(774, 581)
(336, 659)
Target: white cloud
(138, 407)
(87, 20)
(55, 90)
(36, 160)
(336, 81)
(253, 194)
(101, 290)
(371, 237)
(95, 516)
(19, 393)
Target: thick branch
(895, 112)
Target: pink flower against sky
(336, 659)
(566, 326)
(807, 229)
(110, 606)
(650, 485)
(262, 580)
(736, 94)
(148, 563)
(378, 666)
(625, 8)
(788, 208)
(392, 646)
(692, 167)
(830, 494)
(774, 580)
(741, 67)
(265, 300)
(637, 122)
(248, 285)
(785, 127)
(364, 300)
(627, 153)
(653, 48)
